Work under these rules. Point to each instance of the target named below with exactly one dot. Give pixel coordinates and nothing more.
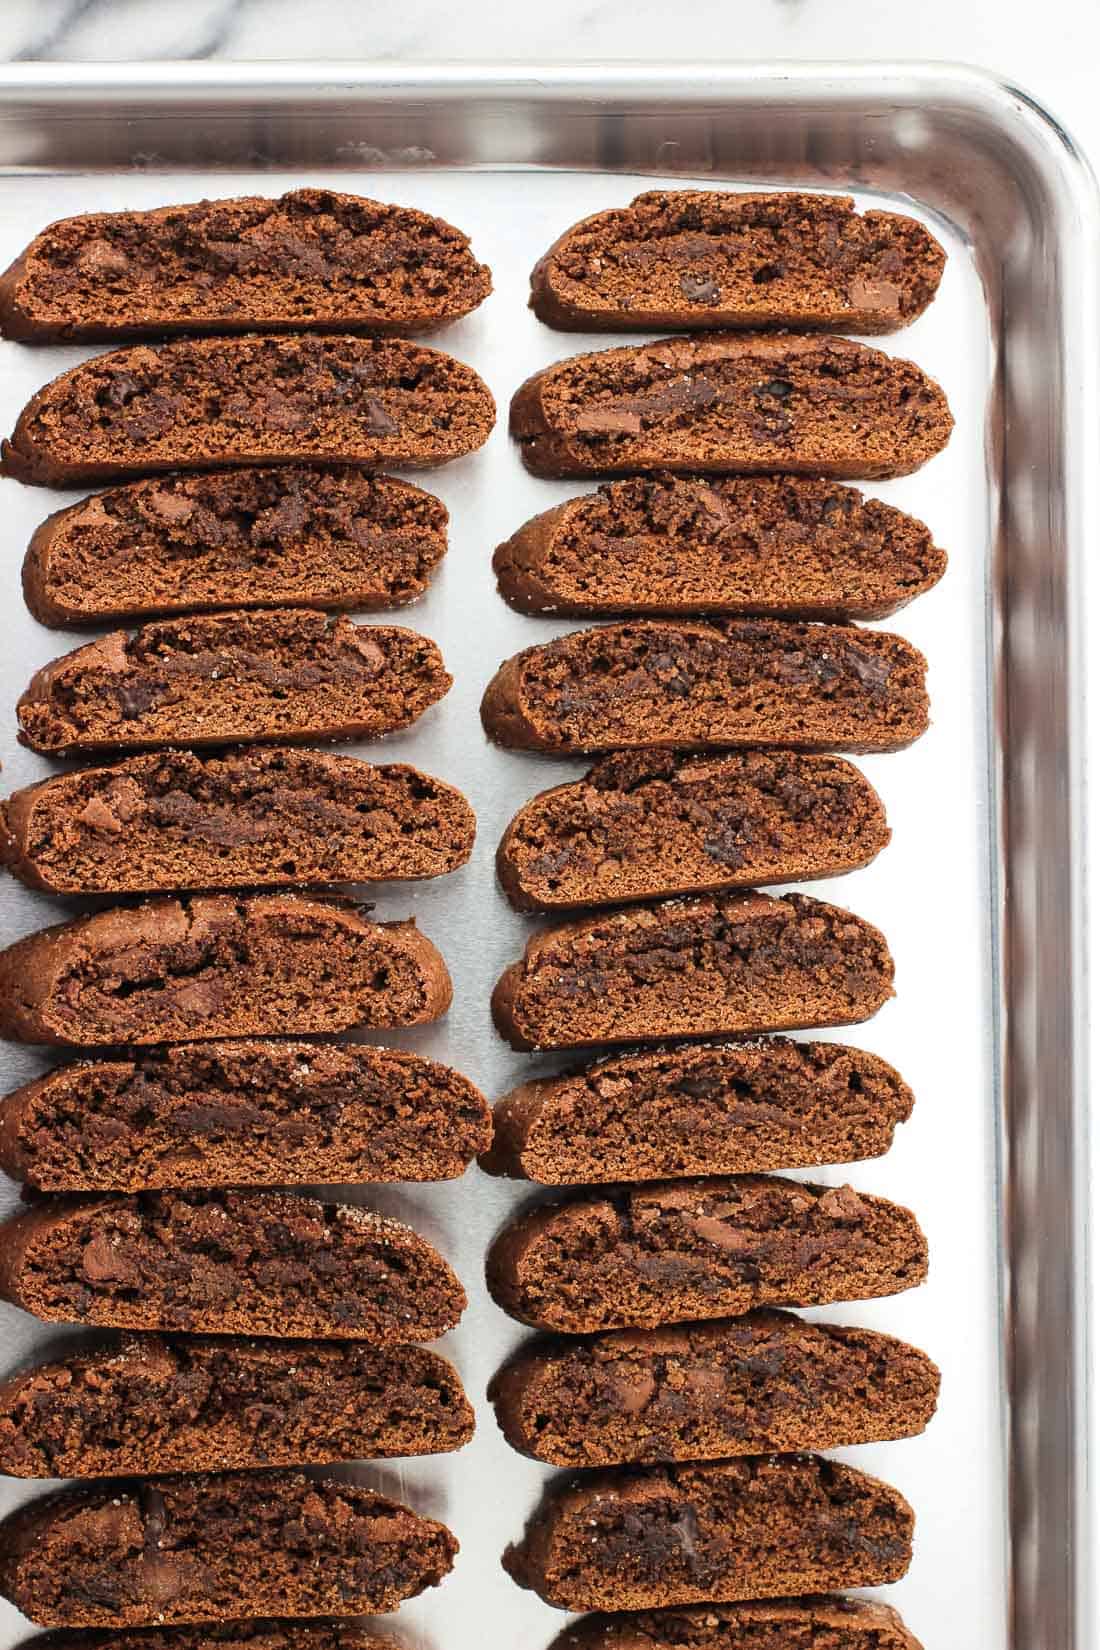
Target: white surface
(954, 1594)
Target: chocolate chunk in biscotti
(214, 1547)
(652, 684)
(697, 258)
(793, 547)
(246, 818)
(754, 1528)
(765, 1382)
(729, 404)
(672, 1251)
(245, 1113)
(309, 258)
(150, 1403)
(228, 1263)
(694, 968)
(222, 678)
(649, 824)
(181, 970)
(295, 537)
(825, 1623)
(209, 403)
(700, 1108)
(263, 1634)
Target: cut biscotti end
(731, 404)
(328, 538)
(774, 1624)
(766, 1382)
(217, 1547)
(243, 1113)
(665, 684)
(256, 817)
(699, 1109)
(288, 674)
(216, 403)
(228, 1263)
(269, 1634)
(139, 1404)
(694, 968)
(309, 258)
(760, 1527)
(637, 1257)
(183, 970)
(646, 825)
(770, 546)
(708, 258)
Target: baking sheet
(930, 892)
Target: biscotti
(729, 404)
(785, 547)
(652, 684)
(180, 970)
(831, 1623)
(228, 1263)
(697, 1109)
(710, 258)
(231, 1635)
(221, 678)
(646, 825)
(151, 1404)
(324, 538)
(755, 1528)
(673, 1251)
(309, 258)
(214, 1547)
(245, 1113)
(208, 403)
(257, 817)
(762, 1383)
(693, 968)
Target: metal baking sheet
(979, 891)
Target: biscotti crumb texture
(309, 258)
(216, 966)
(835, 1621)
(220, 678)
(214, 1547)
(210, 403)
(731, 404)
(280, 537)
(228, 1263)
(711, 258)
(674, 1251)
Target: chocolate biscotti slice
(244, 1113)
(215, 1547)
(730, 404)
(644, 825)
(824, 1623)
(762, 1383)
(653, 684)
(223, 678)
(180, 970)
(209, 403)
(697, 1109)
(698, 258)
(150, 1404)
(285, 536)
(672, 1251)
(256, 817)
(785, 547)
(263, 1634)
(309, 258)
(228, 1263)
(693, 968)
(755, 1528)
